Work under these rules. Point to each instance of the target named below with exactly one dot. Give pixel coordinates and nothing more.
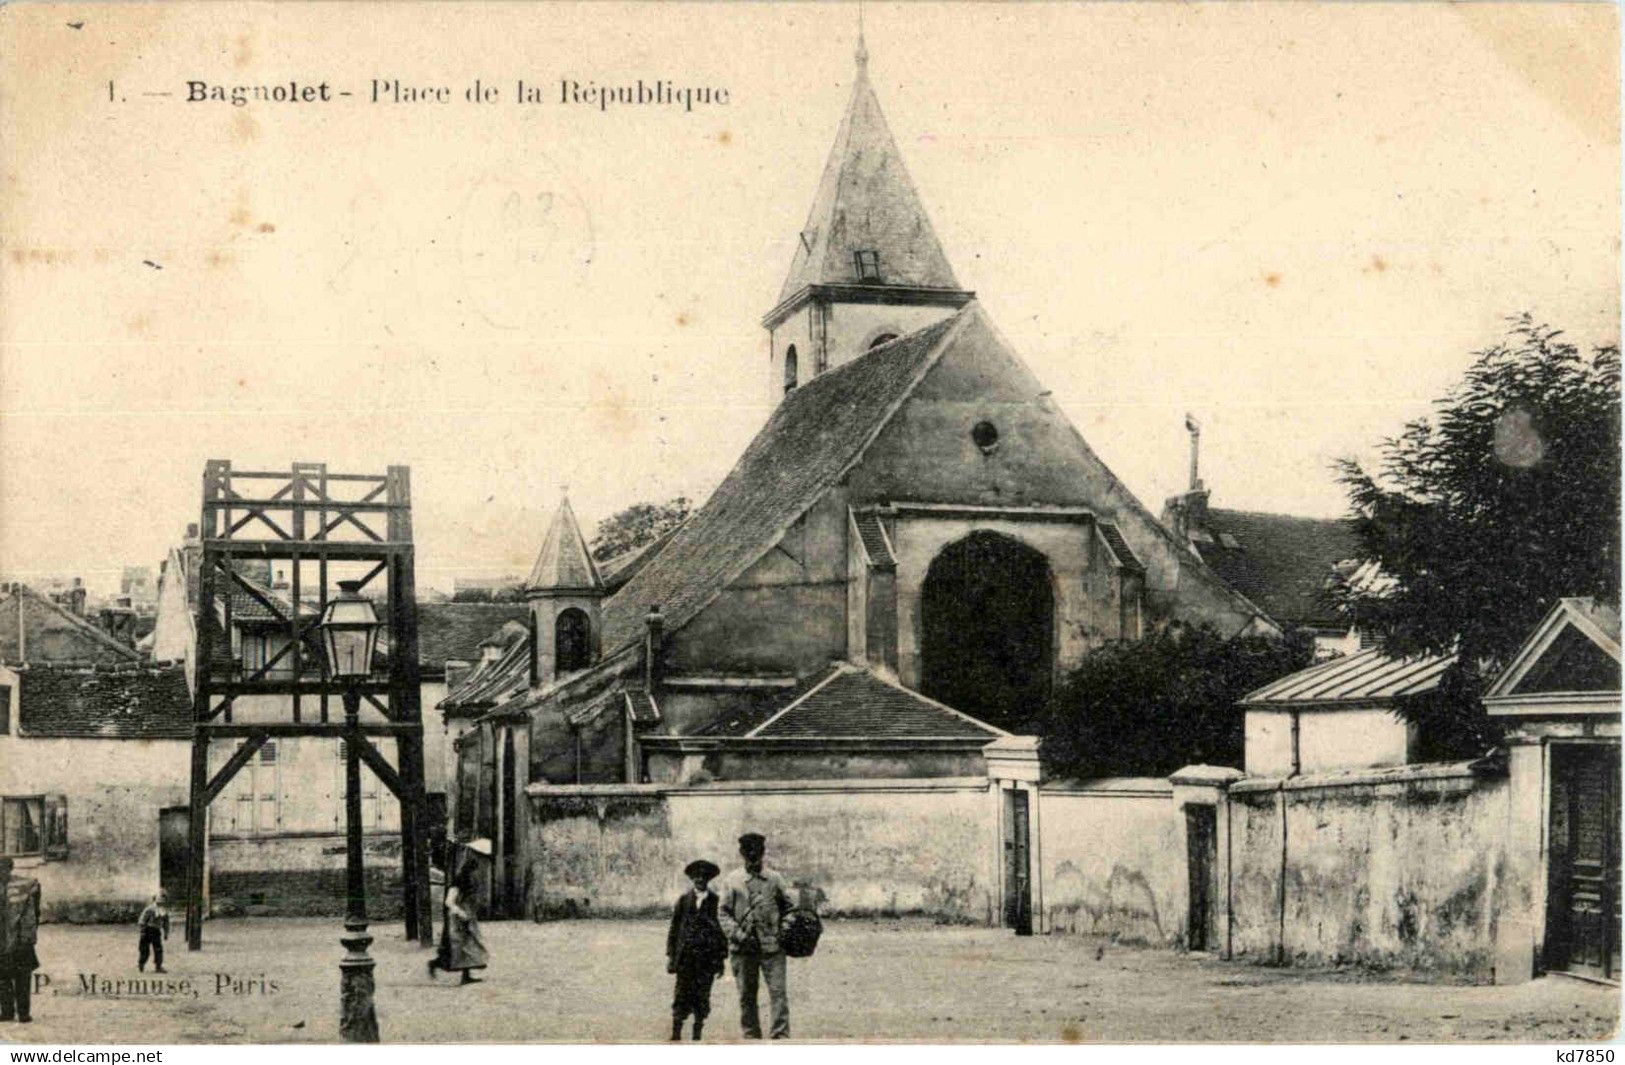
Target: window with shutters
(56, 826)
(375, 813)
(255, 806)
(22, 826)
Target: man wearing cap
(754, 901)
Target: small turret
(565, 593)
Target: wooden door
(1582, 913)
(1018, 895)
(1201, 844)
(174, 825)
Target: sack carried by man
(799, 933)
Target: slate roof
(1366, 676)
(1119, 547)
(246, 608)
(875, 541)
(740, 720)
(453, 632)
(121, 703)
(498, 680)
(564, 562)
(866, 201)
(1280, 562)
(52, 633)
(813, 436)
(641, 706)
(615, 572)
(851, 702)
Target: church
(905, 559)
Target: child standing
(154, 926)
(695, 948)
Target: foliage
(1485, 514)
(512, 593)
(1148, 707)
(636, 526)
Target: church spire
(867, 266)
(564, 563)
(862, 54)
(867, 224)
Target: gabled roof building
(901, 564)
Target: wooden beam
(195, 843)
(272, 475)
(239, 758)
(237, 688)
(366, 505)
(381, 769)
(335, 550)
(308, 728)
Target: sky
(1295, 221)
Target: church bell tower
(867, 267)
(564, 591)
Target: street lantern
(349, 629)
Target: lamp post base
(358, 1020)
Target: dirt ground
(266, 980)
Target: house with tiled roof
(1283, 563)
(94, 746)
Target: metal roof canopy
(1364, 677)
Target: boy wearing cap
(695, 949)
(754, 902)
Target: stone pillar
(1521, 921)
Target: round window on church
(985, 436)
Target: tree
(636, 526)
(1169, 700)
(1482, 516)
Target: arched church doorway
(988, 628)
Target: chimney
(191, 555)
(1187, 512)
(280, 581)
(119, 621)
(651, 649)
(1194, 427)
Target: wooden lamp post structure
(312, 517)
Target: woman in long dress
(461, 948)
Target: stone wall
(1389, 868)
(853, 847)
(295, 876)
(1112, 860)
